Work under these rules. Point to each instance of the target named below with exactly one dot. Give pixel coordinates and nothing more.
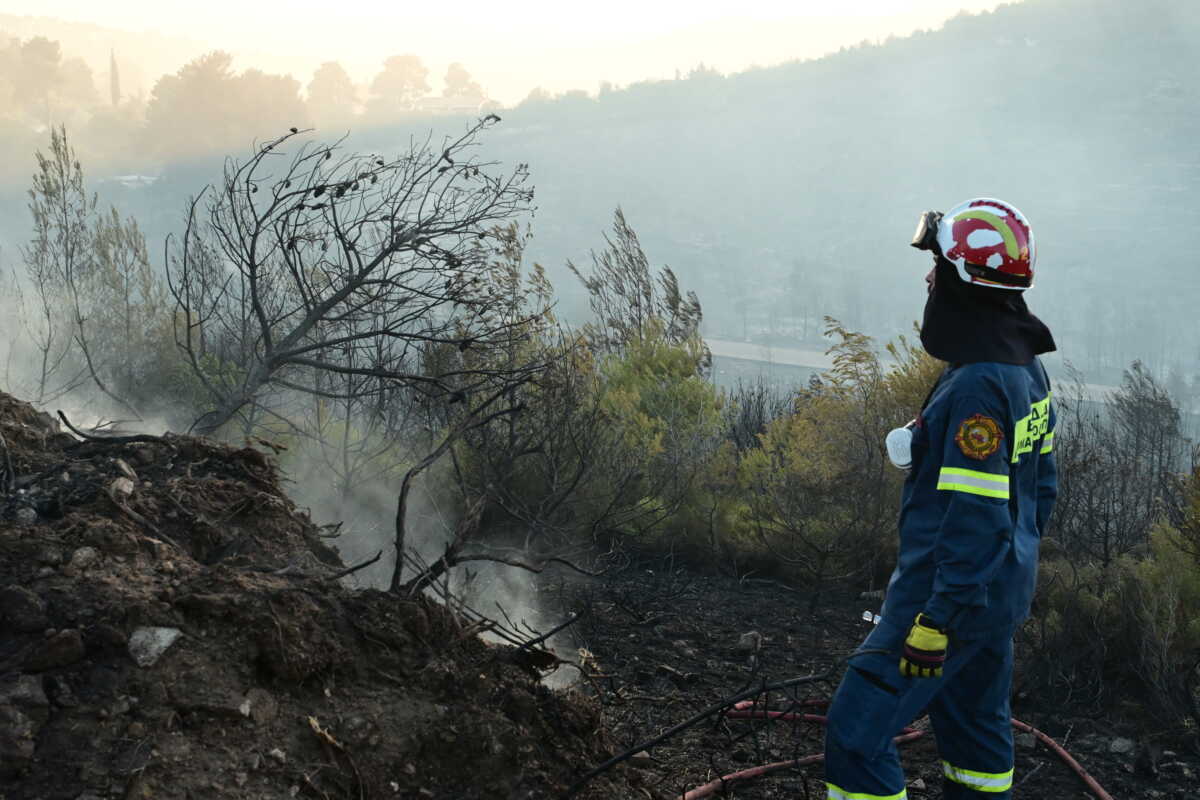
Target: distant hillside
(783, 194)
(788, 192)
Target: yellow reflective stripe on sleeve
(995, 782)
(1031, 427)
(838, 793)
(1048, 443)
(987, 484)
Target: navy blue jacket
(976, 501)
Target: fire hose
(741, 707)
(747, 709)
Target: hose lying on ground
(739, 707)
(1058, 749)
(711, 787)
(748, 709)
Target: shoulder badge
(978, 437)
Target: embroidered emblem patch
(978, 437)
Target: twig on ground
(1029, 775)
(87, 437)
(534, 642)
(351, 570)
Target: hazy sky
(511, 47)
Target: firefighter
(980, 488)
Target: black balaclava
(966, 323)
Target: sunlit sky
(511, 47)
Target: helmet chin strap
(996, 276)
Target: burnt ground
(277, 681)
(661, 645)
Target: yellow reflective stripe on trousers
(979, 781)
(837, 793)
(1048, 443)
(956, 479)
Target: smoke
(366, 512)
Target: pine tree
(114, 79)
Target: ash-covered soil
(662, 645)
(170, 627)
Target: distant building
(130, 181)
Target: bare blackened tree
(305, 267)
(1118, 459)
(753, 405)
(294, 260)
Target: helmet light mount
(926, 237)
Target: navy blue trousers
(968, 707)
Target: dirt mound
(169, 628)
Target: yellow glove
(924, 650)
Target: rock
(641, 760)
(1121, 746)
(147, 645)
(126, 470)
(23, 609)
(917, 785)
(81, 559)
(60, 650)
(23, 691)
(17, 733)
(278, 755)
(750, 642)
(1026, 741)
(25, 516)
(683, 648)
(261, 706)
(121, 489)
(216, 701)
(45, 572)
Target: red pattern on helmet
(963, 228)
